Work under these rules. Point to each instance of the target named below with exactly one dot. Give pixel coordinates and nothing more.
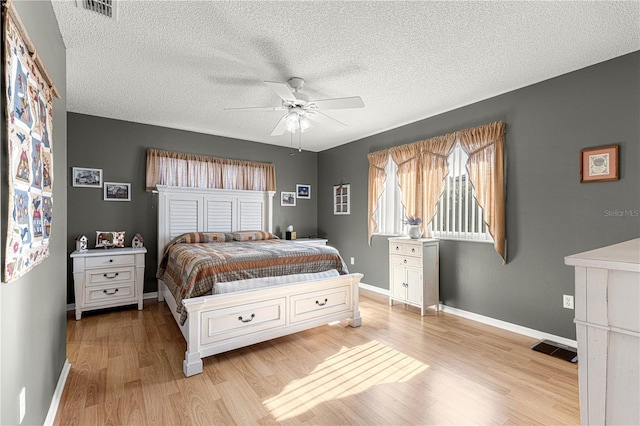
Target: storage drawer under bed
(319, 303)
(236, 321)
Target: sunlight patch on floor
(350, 371)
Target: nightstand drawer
(109, 260)
(109, 293)
(413, 262)
(105, 276)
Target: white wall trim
(489, 321)
(150, 295)
(508, 326)
(374, 289)
(57, 394)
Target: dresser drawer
(414, 262)
(396, 247)
(222, 324)
(103, 261)
(319, 303)
(107, 294)
(106, 276)
(406, 248)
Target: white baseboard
(508, 326)
(373, 288)
(150, 295)
(488, 320)
(57, 394)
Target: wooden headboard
(183, 210)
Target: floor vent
(556, 349)
(101, 7)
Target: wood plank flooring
(398, 368)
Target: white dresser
(414, 272)
(607, 310)
(104, 278)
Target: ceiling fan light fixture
(305, 124)
(292, 123)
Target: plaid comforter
(193, 269)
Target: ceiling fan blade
(266, 108)
(282, 90)
(324, 119)
(340, 103)
(280, 127)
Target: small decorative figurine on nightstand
(81, 243)
(138, 241)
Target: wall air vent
(102, 7)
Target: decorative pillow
(250, 236)
(199, 237)
(109, 239)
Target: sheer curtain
(422, 167)
(377, 176)
(200, 171)
(485, 147)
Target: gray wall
(550, 214)
(32, 308)
(119, 149)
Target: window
(458, 215)
(390, 212)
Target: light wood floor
(398, 368)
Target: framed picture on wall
(288, 199)
(303, 191)
(116, 191)
(85, 177)
(599, 164)
(342, 199)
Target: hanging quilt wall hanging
(29, 106)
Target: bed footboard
(223, 322)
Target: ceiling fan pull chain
(291, 148)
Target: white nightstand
(104, 278)
(311, 241)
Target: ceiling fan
(300, 110)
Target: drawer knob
(110, 294)
(413, 250)
(247, 320)
(322, 303)
(110, 276)
(397, 248)
(110, 260)
(405, 261)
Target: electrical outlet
(353, 261)
(567, 301)
(23, 404)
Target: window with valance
(423, 166)
(201, 171)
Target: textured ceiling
(178, 64)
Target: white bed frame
(222, 322)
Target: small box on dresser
(414, 272)
(105, 278)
